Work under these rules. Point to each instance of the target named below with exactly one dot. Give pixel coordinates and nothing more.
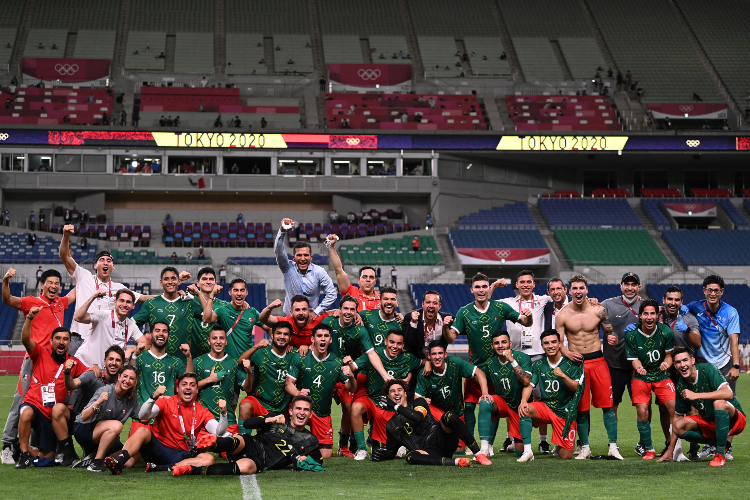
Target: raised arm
(569, 382)
(12, 301)
(26, 332)
(341, 277)
(526, 318)
(209, 315)
(247, 385)
(82, 315)
(522, 375)
(265, 316)
(279, 247)
(449, 333)
(71, 384)
(65, 257)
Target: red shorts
(547, 416)
(349, 397)
(502, 410)
(708, 429)
(472, 391)
(135, 425)
(378, 418)
(322, 428)
(258, 408)
(233, 429)
(437, 414)
(598, 381)
(664, 391)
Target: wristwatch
(736, 366)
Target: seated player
(560, 381)
(510, 372)
(427, 441)
(702, 387)
(280, 441)
(649, 348)
(99, 425)
(398, 364)
(178, 420)
(301, 320)
(46, 388)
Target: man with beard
(367, 298)
(269, 370)
(558, 292)
(51, 316)
(202, 291)
(178, 421)
(301, 320)
(425, 325)
(317, 375)
(379, 322)
(280, 441)
(236, 319)
(47, 387)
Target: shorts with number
(547, 416)
(664, 391)
(472, 391)
(349, 397)
(258, 408)
(322, 428)
(708, 429)
(42, 425)
(437, 414)
(502, 410)
(135, 425)
(84, 434)
(598, 381)
(378, 418)
(160, 454)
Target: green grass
(546, 477)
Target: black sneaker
(507, 445)
(24, 461)
(544, 448)
(662, 452)
(68, 460)
(640, 450)
(693, 452)
(96, 465)
(16, 450)
(85, 461)
(151, 467)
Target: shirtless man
(579, 322)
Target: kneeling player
(427, 441)
(279, 442)
(560, 382)
(703, 387)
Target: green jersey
(445, 389)
(555, 394)
(230, 374)
(350, 340)
(478, 326)
(709, 379)
(201, 330)
(507, 385)
(318, 375)
(178, 314)
(239, 333)
(398, 367)
(650, 350)
(269, 378)
(155, 371)
(378, 327)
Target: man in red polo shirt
(46, 388)
(367, 298)
(50, 316)
(300, 320)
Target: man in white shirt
(108, 327)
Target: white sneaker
(576, 452)
(585, 453)
(7, 457)
(527, 456)
(490, 451)
(680, 458)
(400, 453)
(614, 451)
(556, 451)
(361, 455)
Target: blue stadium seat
(474, 238)
(511, 216)
(582, 213)
(710, 247)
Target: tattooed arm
(522, 375)
(609, 332)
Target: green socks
(526, 425)
(721, 418)
(471, 419)
(583, 424)
(644, 429)
(484, 421)
(610, 423)
(493, 430)
(360, 437)
(696, 437)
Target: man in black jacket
(424, 325)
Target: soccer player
(398, 364)
(560, 382)
(219, 374)
(649, 348)
(237, 319)
(302, 321)
(301, 276)
(178, 421)
(367, 298)
(99, 425)
(280, 441)
(478, 321)
(427, 440)
(704, 388)
(579, 323)
(379, 322)
(317, 375)
(46, 388)
(269, 370)
(201, 292)
(108, 327)
(510, 373)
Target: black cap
(630, 276)
(103, 253)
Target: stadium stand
(146, 257)
(40, 42)
(610, 193)
(537, 59)
(42, 106)
(439, 56)
(172, 16)
(14, 249)
(343, 17)
(660, 193)
(269, 18)
(73, 16)
(446, 18)
(474, 238)
(245, 51)
(610, 247)
(710, 247)
(144, 48)
(7, 39)
(344, 49)
(8, 314)
(653, 211)
(487, 52)
(589, 213)
(512, 216)
(544, 18)
(560, 112)
(562, 193)
(711, 193)
(392, 251)
(387, 46)
(194, 52)
(295, 48)
(582, 56)
(95, 44)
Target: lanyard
(59, 370)
(125, 344)
(628, 306)
(190, 440)
(711, 317)
(52, 310)
(533, 303)
(235, 322)
(96, 282)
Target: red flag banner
(67, 70)
(369, 75)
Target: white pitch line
(250, 488)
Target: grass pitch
(544, 478)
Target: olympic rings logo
(502, 253)
(693, 143)
(3, 136)
(352, 141)
(67, 69)
(689, 207)
(369, 74)
(686, 108)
